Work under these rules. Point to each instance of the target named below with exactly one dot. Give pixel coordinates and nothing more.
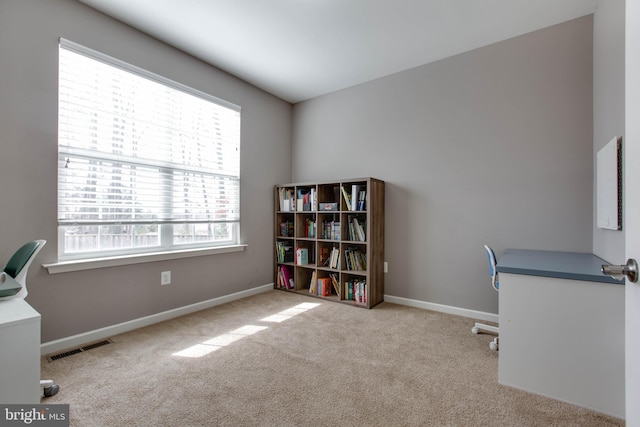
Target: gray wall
(491, 146)
(73, 303)
(608, 106)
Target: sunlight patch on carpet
(290, 312)
(216, 343)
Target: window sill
(88, 264)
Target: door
(632, 210)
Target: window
(144, 164)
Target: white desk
(19, 353)
(562, 328)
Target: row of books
(323, 286)
(285, 278)
(356, 290)
(356, 200)
(332, 260)
(331, 230)
(356, 230)
(286, 229)
(284, 251)
(286, 197)
(354, 259)
(305, 199)
(310, 228)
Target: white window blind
(136, 148)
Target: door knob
(618, 272)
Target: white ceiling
(299, 49)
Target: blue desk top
(563, 265)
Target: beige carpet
(331, 365)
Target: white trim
(109, 331)
(472, 314)
(88, 264)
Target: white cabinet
(19, 353)
(562, 328)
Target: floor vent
(78, 350)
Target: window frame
(166, 248)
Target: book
(286, 199)
(331, 230)
(285, 277)
(361, 292)
(360, 230)
(313, 284)
(347, 197)
(354, 259)
(324, 256)
(324, 286)
(355, 190)
(302, 199)
(307, 199)
(310, 228)
(356, 231)
(356, 290)
(313, 199)
(362, 196)
(302, 256)
(335, 230)
(335, 283)
(335, 258)
(284, 252)
(286, 229)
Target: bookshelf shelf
(330, 240)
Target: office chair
(17, 267)
(491, 258)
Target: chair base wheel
(474, 330)
(51, 391)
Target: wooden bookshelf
(342, 240)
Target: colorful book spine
(313, 285)
(362, 197)
(355, 190)
(347, 197)
(285, 278)
(302, 256)
(284, 252)
(335, 283)
(324, 286)
(356, 290)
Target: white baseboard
(102, 333)
(472, 314)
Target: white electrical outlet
(386, 267)
(165, 278)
